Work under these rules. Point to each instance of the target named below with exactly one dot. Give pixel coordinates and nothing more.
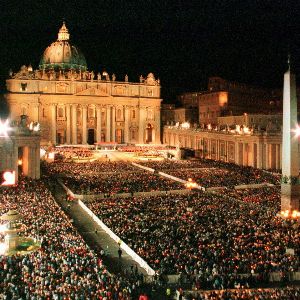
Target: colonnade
(105, 127)
(259, 151)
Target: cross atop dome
(63, 34)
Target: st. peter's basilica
(77, 106)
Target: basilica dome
(62, 54)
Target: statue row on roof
(52, 74)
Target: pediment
(93, 92)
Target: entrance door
(91, 137)
(119, 136)
(149, 133)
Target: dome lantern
(63, 34)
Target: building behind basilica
(75, 106)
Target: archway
(119, 136)
(149, 132)
(91, 136)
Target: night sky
(181, 42)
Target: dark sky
(182, 42)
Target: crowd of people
(207, 237)
(119, 183)
(289, 293)
(145, 148)
(89, 168)
(108, 177)
(68, 153)
(265, 195)
(64, 267)
(211, 173)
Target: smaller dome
(62, 54)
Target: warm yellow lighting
(290, 214)
(246, 130)
(185, 125)
(9, 178)
(4, 128)
(238, 129)
(190, 184)
(296, 130)
(51, 155)
(20, 162)
(63, 34)
(223, 99)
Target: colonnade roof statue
(61, 54)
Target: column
(157, 138)
(251, 154)
(236, 152)
(280, 156)
(37, 163)
(227, 151)
(14, 160)
(98, 135)
(245, 154)
(84, 124)
(74, 124)
(107, 137)
(259, 155)
(209, 148)
(113, 124)
(31, 169)
(35, 112)
(267, 156)
(217, 149)
(126, 125)
(141, 111)
(53, 124)
(68, 115)
(277, 155)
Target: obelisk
(290, 187)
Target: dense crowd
(210, 173)
(65, 267)
(289, 293)
(266, 195)
(108, 177)
(205, 236)
(119, 183)
(68, 153)
(89, 168)
(141, 148)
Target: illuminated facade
(75, 106)
(20, 152)
(257, 148)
